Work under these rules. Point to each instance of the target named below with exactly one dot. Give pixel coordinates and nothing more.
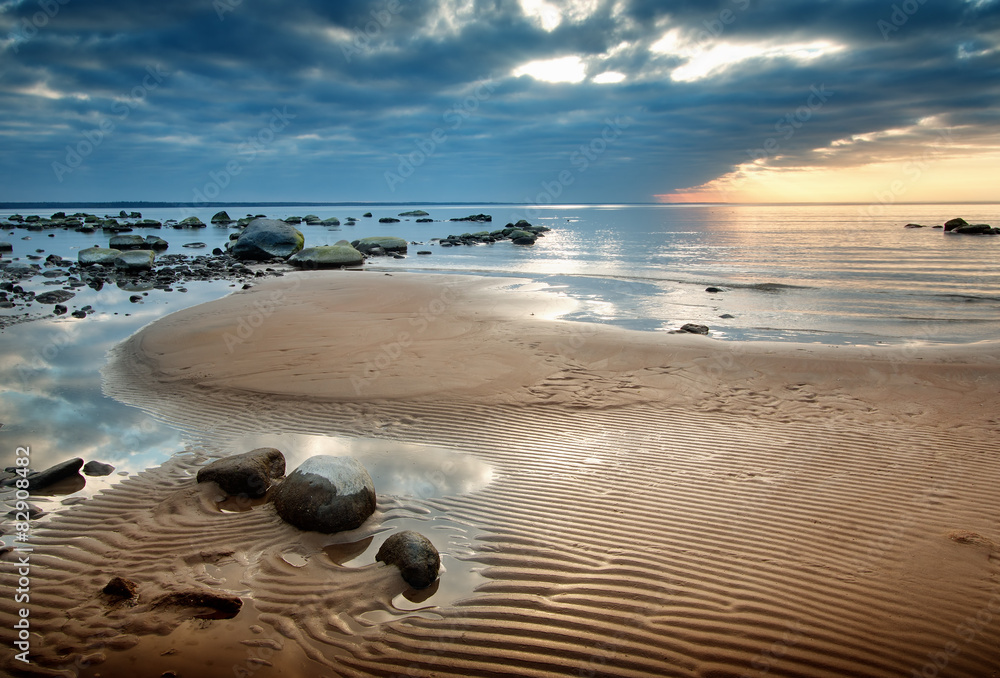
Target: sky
(533, 101)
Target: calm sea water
(829, 274)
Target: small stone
(120, 587)
(692, 328)
(415, 556)
(714, 290)
(97, 468)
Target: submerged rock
(326, 494)
(54, 297)
(267, 239)
(415, 556)
(327, 256)
(247, 474)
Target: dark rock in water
(727, 316)
(938, 226)
(217, 251)
(388, 220)
(914, 226)
(119, 587)
(54, 297)
(127, 242)
(79, 313)
(327, 256)
(135, 298)
(222, 606)
(194, 245)
(474, 217)
(59, 309)
(6, 247)
(156, 243)
(424, 252)
(221, 217)
(713, 290)
(102, 256)
(387, 243)
(974, 229)
(247, 474)
(413, 213)
(326, 494)
(191, 222)
(21, 270)
(523, 240)
(424, 221)
(51, 475)
(135, 260)
(366, 214)
(97, 468)
(266, 239)
(415, 556)
(692, 328)
(952, 224)
(332, 221)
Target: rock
(79, 313)
(386, 242)
(120, 587)
(952, 224)
(54, 297)
(727, 316)
(97, 468)
(51, 475)
(914, 226)
(194, 245)
(222, 606)
(191, 222)
(332, 221)
(135, 298)
(714, 290)
(692, 328)
(311, 219)
(59, 309)
(136, 260)
(102, 256)
(327, 256)
(388, 220)
(424, 252)
(293, 220)
(974, 229)
(326, 494)
(424, 221)
(221, 217)
(148, 223)
(366, 214)
(6, 247)
(247, 474)
(267, 239)
(156, 243)
(415, 556)
(474, 217)
(20, 270)
(127, 242)
(414, 213)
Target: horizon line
(177, 204)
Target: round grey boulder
(266, 239)
(102, 256)
(127, 242)
(415, 556)
(326, 494)
(386, 242)
(247, 474)
(135, 260)
(327, 256)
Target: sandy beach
(656, 504)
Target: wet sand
(656, 504)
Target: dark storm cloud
(166, 94)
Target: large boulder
(127, 242)
(191, 222)
(102, 256)
(327, 256)
(135, 260)
(326, 494)
(247, 474)
(415, 556)
(51, 475)
(952, 224)
(221, 217)
(155, 242)
(267, 239)
(388, 243)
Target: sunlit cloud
(550, 15)
(609, 78)
(701, 62)
(564, 69)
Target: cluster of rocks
(521, 233)
(66, 470)
(962, 227)
(324, 494)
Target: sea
(829, 274)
